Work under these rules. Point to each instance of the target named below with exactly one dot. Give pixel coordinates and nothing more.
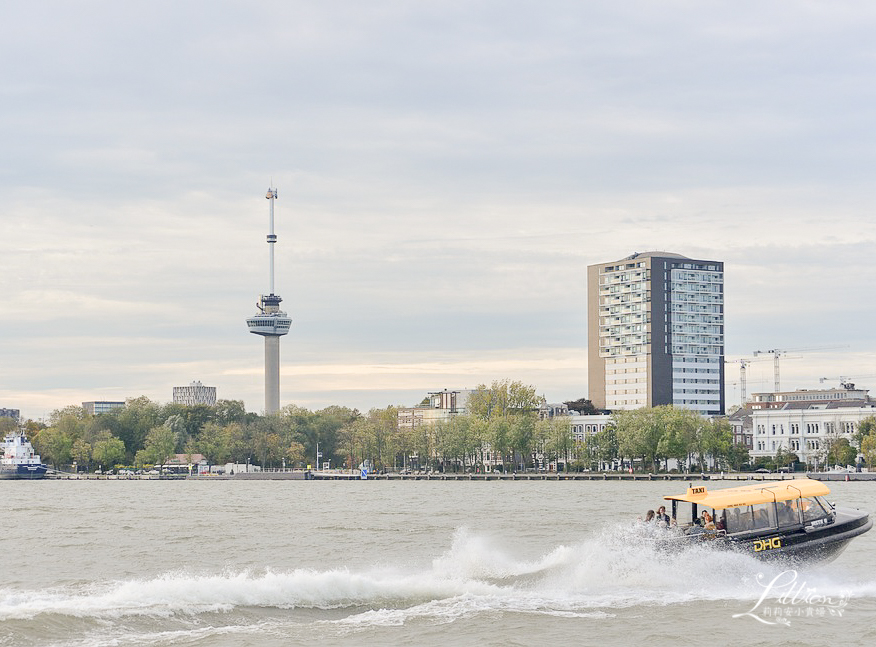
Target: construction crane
(844, 380)
(743, 364)
(778, 352)
(743, 381)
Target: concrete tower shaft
(270, 322)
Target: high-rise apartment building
(656, 333)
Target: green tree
(737, 456)
(81, 453)
(639, 432)
(868, 448)
(841, 453)
(54, 446)
(109, 452)
(866, 427)
(603, 447)
(133, 422)
(228, 411)
(503, 398)
(583, 406)
(212, 442)
(160, 446)
(553, 436)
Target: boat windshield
(814, 508)
(751, 517)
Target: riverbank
(489, 476)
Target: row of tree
(648, 438)
(501, 429)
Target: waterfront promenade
(333, 475)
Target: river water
(265, 563)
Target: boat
(19, 460)
(784, 519)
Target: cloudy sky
(446, 172)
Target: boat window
(788, 512)
(813, 508)
(751, 517)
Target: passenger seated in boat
(696, 528)
(721, 523)
(649, 516)
(708, 522)
(662, 518)
(761, 519)
(787, 513)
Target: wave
(618, 567)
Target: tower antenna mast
(271, 322)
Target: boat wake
(618, 568)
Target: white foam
(615, 568)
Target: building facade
(656, 333)
(439, 406)
(96, 407)
(194, 393)
(15, 414)
(803, 422)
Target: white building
(583, 426)
(194, 393)
(806, 422)
(441, 406)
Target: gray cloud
(447, 170)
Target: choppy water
(97, 563)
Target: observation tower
(271, 323)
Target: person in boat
(649, 516)
(786, 513)
(662, 517)
(696, 527)
(708, 521)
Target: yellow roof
(752, 494)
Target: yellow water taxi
(783, 518)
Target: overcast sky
(446, 171)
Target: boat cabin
(752, 509)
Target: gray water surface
(194, 563)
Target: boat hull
(36, 471)
(809, 544)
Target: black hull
(23, 472)
(820, 544)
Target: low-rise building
(804, 422)
(15, 414)
(437, 406)
(96, 407)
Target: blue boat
(19, 460)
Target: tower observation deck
(271, 323)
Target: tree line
(501, 429)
